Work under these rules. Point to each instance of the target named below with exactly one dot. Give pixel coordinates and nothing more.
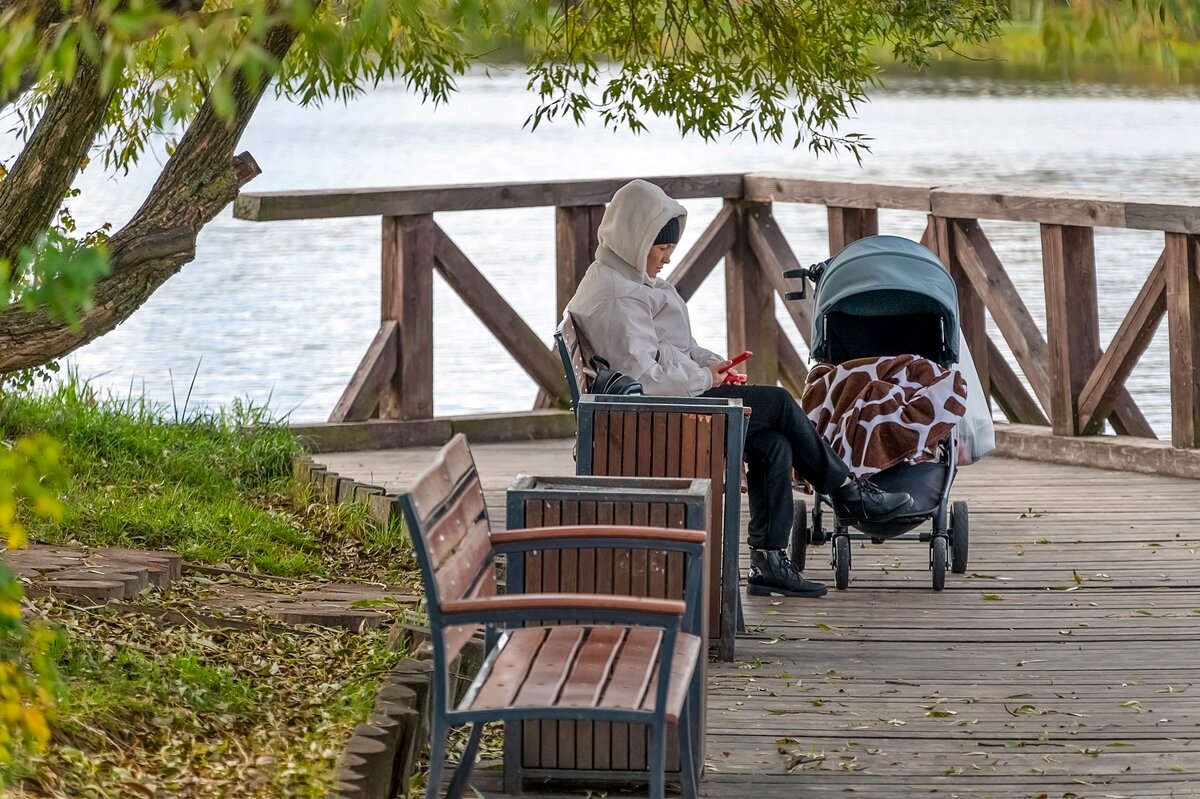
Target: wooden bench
(549, 656)
(640, 436)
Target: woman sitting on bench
(640, 324)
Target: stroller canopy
(882, 276)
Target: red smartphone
(741, 356)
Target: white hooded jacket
(639, 324)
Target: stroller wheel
(937, 561)
(841, 561)
(960, 533)
(799, 542)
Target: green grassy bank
(1133, 44)
(154, 710)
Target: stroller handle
(812, 273)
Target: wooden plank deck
(1063, 664)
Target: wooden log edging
(379, 759)
(335, 489)
(381, 756)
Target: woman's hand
(719, 372)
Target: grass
(215, 487)
(149, 710)
(1060, 45)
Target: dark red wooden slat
(510, 669)
(592, 667)
(463, 514)
(456, 577)
(456, 637)
(687, 652)
(550, 669)
(633, 669)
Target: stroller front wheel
(841, 561)
(960, 536)
(799, 542)
(937, 561)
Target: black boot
(771, 572)
(862, 501)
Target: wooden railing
(1075, 384)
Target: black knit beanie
(669, 233)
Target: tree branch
(34, 188)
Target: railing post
(1183, 323)
(1072, 319)
(575, 229)
(972, 315)
(407, 298)
(850, 224)
(750, 302)
(575, 242)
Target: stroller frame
(924, 291)
(948, 536)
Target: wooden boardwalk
(1065, 663)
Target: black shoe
(862, 501)
(771, 572)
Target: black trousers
(780, 438)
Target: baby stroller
(886, 296)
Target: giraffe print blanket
(878, 412)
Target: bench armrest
(601, 536)
(645, 611)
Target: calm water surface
(281, 312)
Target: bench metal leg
(688, 756)
(513, 776)
(437, 752)
(458, 784)
(658, 761)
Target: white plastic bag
(975, 431)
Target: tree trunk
(199, 180)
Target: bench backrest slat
(463, 512)
(447, 519)
(569, 342)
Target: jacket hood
(631, 222)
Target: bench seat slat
(550, 668)
(687, 650)
(509, 668)
(634, 666)
(592, 668)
